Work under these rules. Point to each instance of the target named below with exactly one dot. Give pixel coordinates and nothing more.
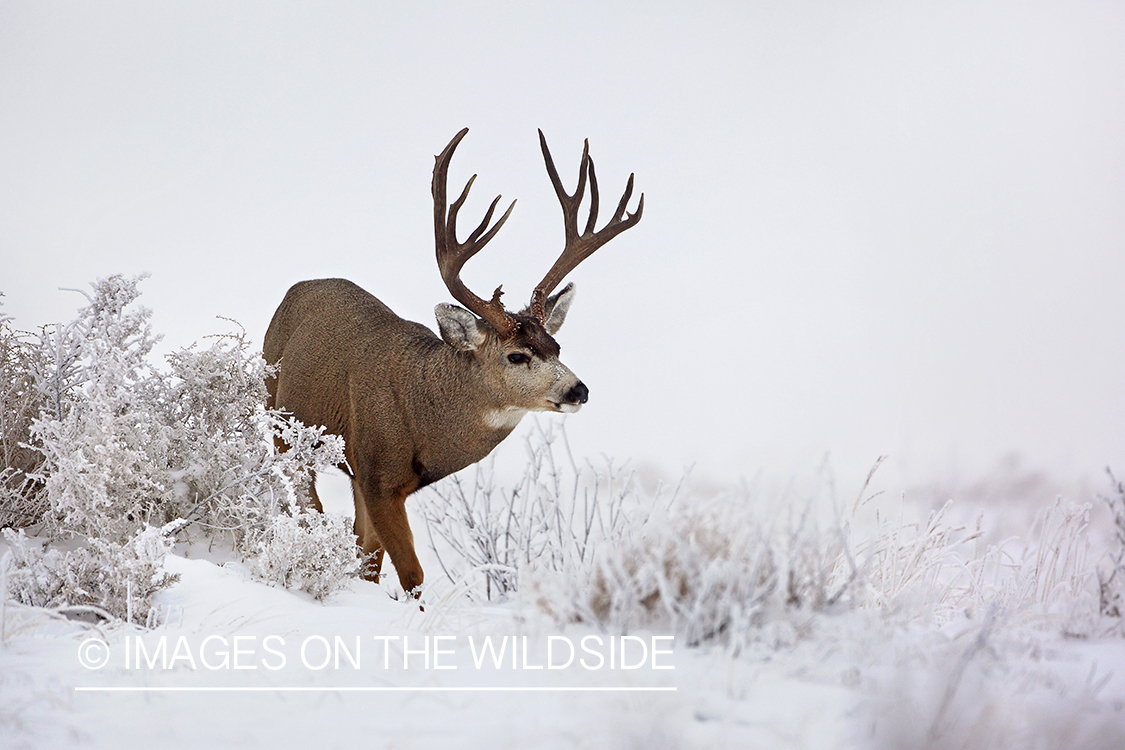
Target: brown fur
(411, 408)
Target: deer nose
(579, 394)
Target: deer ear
(556, 309)
(459, 328)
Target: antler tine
(593, 196)
(476, 233)
(578, 247)
(451, 254)
(569, 203)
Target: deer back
(399, 394)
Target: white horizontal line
(372, 689)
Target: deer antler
(451, 254)
(580, 246)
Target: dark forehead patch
(532, 336)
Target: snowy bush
(223, 473)
(23, 500)
(96, 432)
(1111, 583)
(126, 447)
(104, 578)
(306, 550)
(709, 569)
(944, 567)
(699, 571)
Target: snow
(859, 678)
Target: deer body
(348, 361)
(413, 407)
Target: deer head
(522, 343)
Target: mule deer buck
(412, 407)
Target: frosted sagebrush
(315, 552)
(592, 546)
(23, 500)
(97, 432)
(126, 447)
(103, 577)
(225, 475)
(1111, 579)
(697, 570)
(945, 566)
(709, 569)
(488, 531)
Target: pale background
(870, 228)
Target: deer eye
(518, 358)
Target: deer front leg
(386, 527)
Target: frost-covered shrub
(97, 433)
(306, 550)
(23, 500)
(709, 569)
(1053, 575)
(699, 570)
(126, 447)
(224, 474)
(593, 547)
(1111, 582)
(103, 577)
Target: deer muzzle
(577, 395)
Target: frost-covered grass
(154, 509)
(1111, 577)
(589, 545)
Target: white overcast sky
(870, 227)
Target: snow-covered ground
(245, 664)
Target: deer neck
(470, 414)
(482, 407)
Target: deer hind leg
(386, 527)
(370, 546)
(314, 499)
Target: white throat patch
(504, 419)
